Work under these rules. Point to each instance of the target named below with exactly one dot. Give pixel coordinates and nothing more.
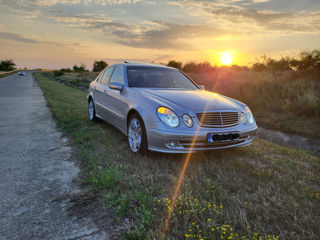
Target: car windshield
(157, 77)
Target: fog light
(173, 144)
(187, 120)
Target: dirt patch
(87, 205)
(290, 140)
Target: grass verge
(8, 74)
(259, 192)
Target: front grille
(218, 119)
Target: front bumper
(192, 141)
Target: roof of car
(133, 64)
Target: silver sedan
(161, 109)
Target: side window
(106, 76)
(100, 76)
(117, 75)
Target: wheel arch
(130, 113)
(90, 98)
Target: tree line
(306, 62)
(98, 66)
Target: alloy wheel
(91, 110)
(135, 135)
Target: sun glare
(226, 58)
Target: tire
(91, 111)
(137, 137)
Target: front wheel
(137, 137)
(91, 111)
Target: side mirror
(116, 86)
(201, 87)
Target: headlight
(187, 120)
(243, 118)
(249, 115)
(168, 116)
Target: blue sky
(61, 33)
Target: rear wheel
(137, 137)
(91, 110)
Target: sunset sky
(61, 33)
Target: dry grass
(282, 100)
(5, 74)
(259, 192)
(80, 80)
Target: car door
(117, 101)
(96, 93)
(100, 93)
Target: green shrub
(58, 73)
(104, 178)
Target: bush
(80, 69)
(7, 65)
(98, 66)
(258, 67)
(175, 64)
(190, 67)
(58, 73)
(65, 70)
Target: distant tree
(64, 70)
(258, 67)
(190, 67)
(98, 66)
(80, 69)
(199, 67)
(175, 64)
(309, 61)
(7, 65)
(75, 68)
(281, 65)
(239, 68)
(204, 67)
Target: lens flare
(178, 186)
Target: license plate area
(222, 137)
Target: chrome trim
(221, 118)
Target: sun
(226, 58)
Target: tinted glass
(106, 76)
(117, 75)
(156, 77)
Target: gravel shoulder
(37, 168)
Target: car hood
(192, 100)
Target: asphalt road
(36, 168)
